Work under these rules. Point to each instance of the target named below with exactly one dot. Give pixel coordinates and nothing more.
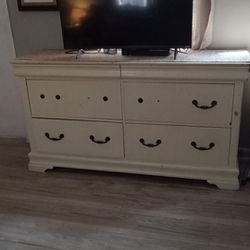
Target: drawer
(95, 139)
(75, 99)
(208, 104)
(177, 144)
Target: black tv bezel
(100, 46)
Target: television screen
(92, 24)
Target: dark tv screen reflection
(92, 24)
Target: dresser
(152, 116)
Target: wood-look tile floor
(70, 210)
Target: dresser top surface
(189, 57)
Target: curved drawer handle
(211, 145)
(92, 138)
(158, 142)
(196, 104)
(61, 136)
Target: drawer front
(177, 144)
(75, 99)
(78, 138)
(179, 103)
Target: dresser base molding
(39, 167)
(226, 179)
(226, 184)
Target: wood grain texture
(72, 209)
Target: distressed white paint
(11, 110)
(155, 146)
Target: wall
(11, 112)
(231, 30)
(231, 24)
(34, 30)
(38, 30)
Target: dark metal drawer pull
(196, 104)
(194, 144)
(61, 136)
(158, 142)
(92, 138)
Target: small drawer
(75, 99)
(177, 145)
(77, 138)
(207, 104)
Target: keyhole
(140, 100)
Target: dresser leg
(226, 184)
(36, 167)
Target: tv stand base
(145, 52)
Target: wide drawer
(177, 145)
(208, 104)
(96, 139)
(75, 99)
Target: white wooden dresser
(153, 116)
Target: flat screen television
(126, 24)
